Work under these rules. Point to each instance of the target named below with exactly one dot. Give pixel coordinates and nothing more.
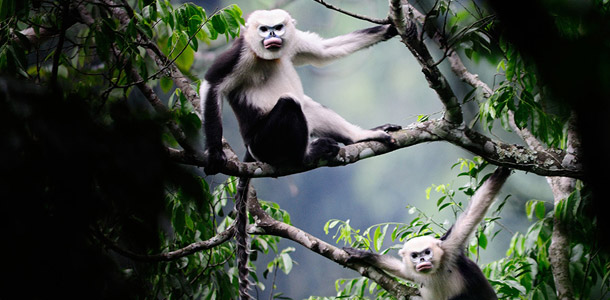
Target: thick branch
(561, 187)
(436, 79)
(397, 16)
(553, 162)
(264, 224)
(559, 250)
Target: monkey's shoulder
(225, 63)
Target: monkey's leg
(324, 122)
(281, 137)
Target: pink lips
(272, 43)
(423, 266)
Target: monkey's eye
(414, 255)
(263, 31)
(427, 252)
(279, 27)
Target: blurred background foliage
(78, 139)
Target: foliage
(519, 96)
(422, 224)
(91, 169)
(103, 60)
(211, 274)
(99, 56)
(525, 271)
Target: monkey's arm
(387, 263)
(212, 123)
(466, 223)
(312, 49)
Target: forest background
(88, 182)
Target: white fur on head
(269, 18)
(419, 244)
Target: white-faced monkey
(279, 124)
(440, 266)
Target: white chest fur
(266, 81)
(443, 285)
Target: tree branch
(436, 79)
(559, 250)
(561, 187)
(172, 255)
(357, 16)
(553, 162)
(124, 14)
(265, 224)
(146, 90)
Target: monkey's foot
(322, 148)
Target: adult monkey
(276, 119)
(440, 266)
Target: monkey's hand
(216, 160)
(358, 254)
(390, 32)
(388, 127)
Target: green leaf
(540, 210)
(330, 224)
(286, 263)
(482, 240)
(423, 118)
(166, 85)
(102, 45)
(219, 24)
(213, 33)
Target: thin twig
(354, 15)
(214, 241)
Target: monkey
(439, 266)
(276, 119)
(279, 124)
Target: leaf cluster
(211, 274)
(373, 237)
(525, 272)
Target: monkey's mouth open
(426, 266)
(273, 43)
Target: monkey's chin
(424, 267)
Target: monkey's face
(272, 36)
(268, 33)
(422, 254)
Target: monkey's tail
(241, 222)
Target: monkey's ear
(402, 252)
(293, 21)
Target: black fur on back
(224, 64)
(446, 235)
(477, 287)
